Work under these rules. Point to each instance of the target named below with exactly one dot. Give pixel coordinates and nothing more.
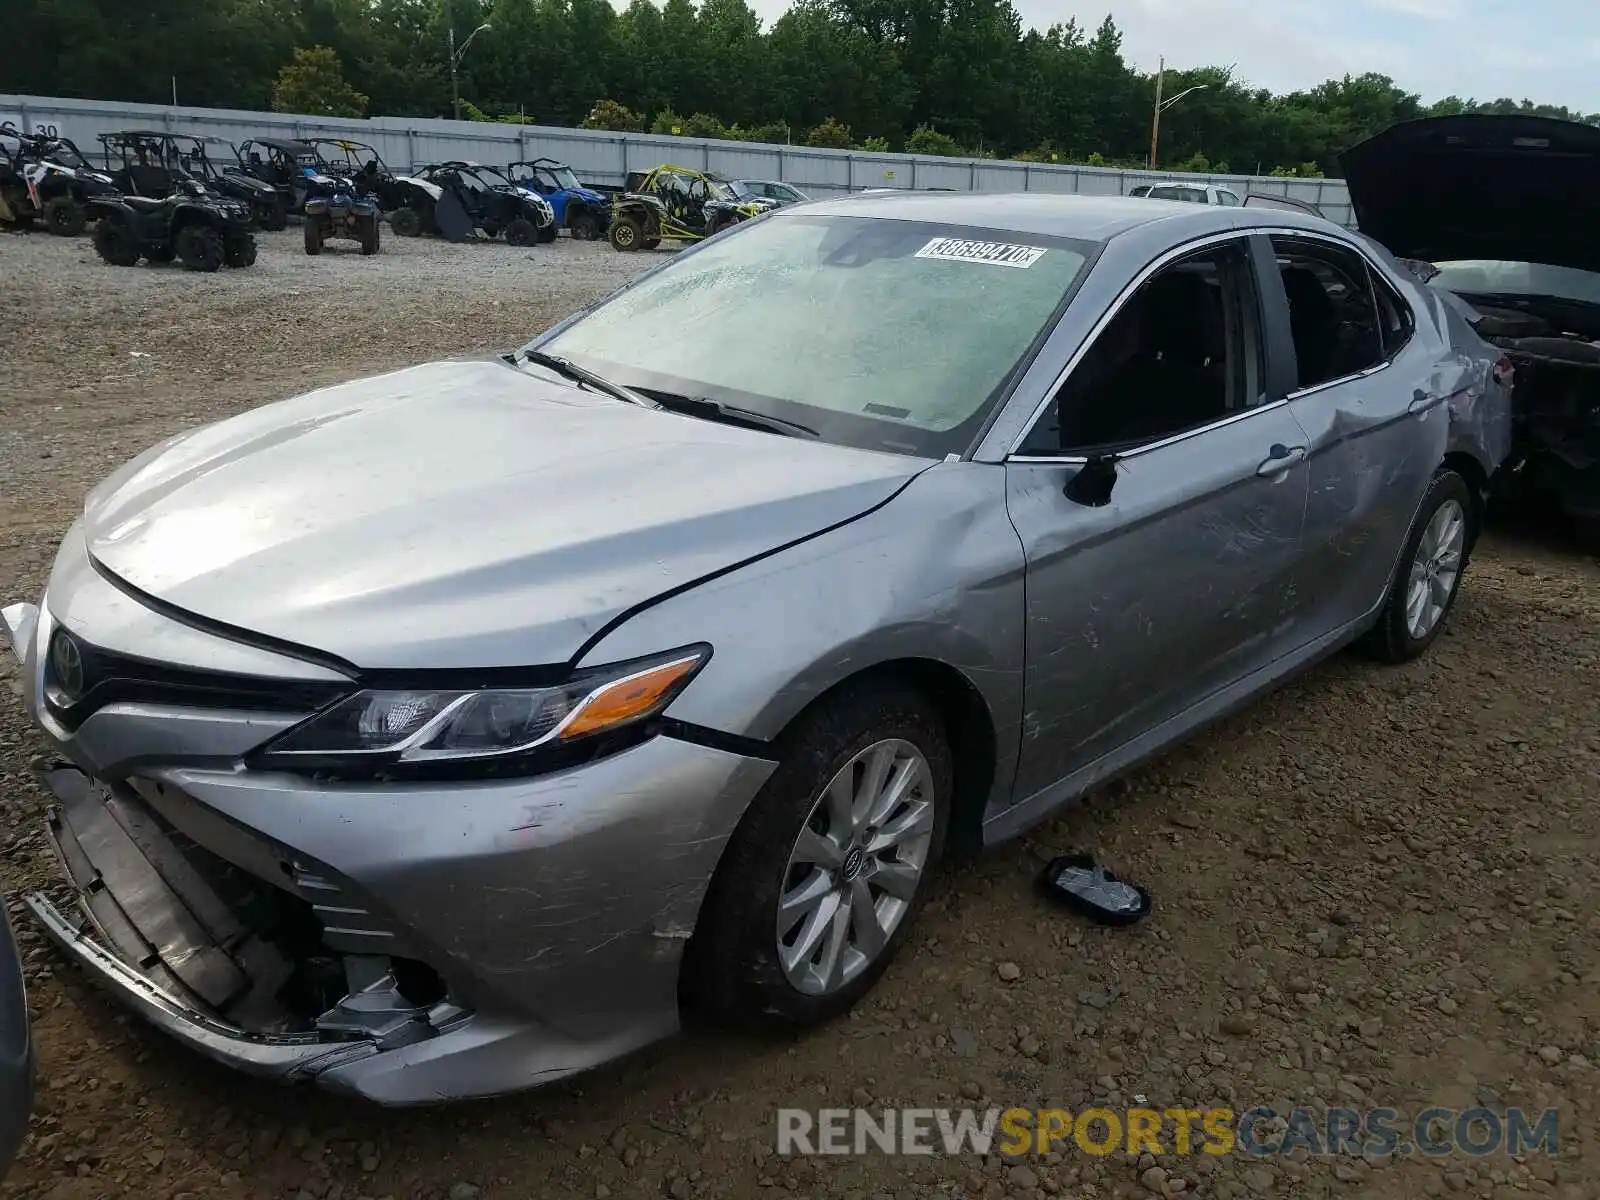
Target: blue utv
(584, 212)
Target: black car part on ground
(43, 177)
(202, 231)
(149, 162)
(1499, 189)
(493, 203)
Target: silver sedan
(440, 734)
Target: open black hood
(1520, 189)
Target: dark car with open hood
(1502, 208)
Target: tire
(275, 216)
(1448, 509)
(405, 222)
(547, 234)
(65, 217)
(521, 232)
(199, 248)
(625, 234)
(371, 238)
(584, 227)
(733, 968)
(313, 231)
(239, 250)
(116, 243)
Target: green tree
(832, 134)
(313, 82)
(925, 139)
(608, 114)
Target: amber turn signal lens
(626, 699)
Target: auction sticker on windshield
(997, 254)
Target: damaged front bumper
(479, 938)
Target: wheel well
(968, 725)
(1471, 470)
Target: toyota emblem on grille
(66, 663)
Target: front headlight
(389, 731)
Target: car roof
(284, 144)
(1087, 218)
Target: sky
(1547, 51)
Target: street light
(455, 59)
(1162, 106)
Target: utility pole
(1155, 120)
(456, 55)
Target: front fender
(934, 573)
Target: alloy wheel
(855, 867)
(1435, 569)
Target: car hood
(461, 514)
(1515, 188)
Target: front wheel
(199, 248)
(370, 237)
(1425, 585)
(546, 234)
(584, 227)
(239, 250)
(274, 216)
(65, 217)
(405, 222)
(819, 884)
(520, 232)
(626, 234)
(313, 236)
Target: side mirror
(1093, 484)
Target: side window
(1396, 321)
(1332, 314)
(1183, 351)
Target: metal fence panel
(605, 158)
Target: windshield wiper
(732, 414)
(568, 369)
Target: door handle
(1422, 403)
(1280, 460)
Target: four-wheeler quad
(408, 201)
(584, 212)
(215, 162)
(345, 214)
(291, 168)
(202, 231)
(43, 177)
(493, 203)
(680, 203)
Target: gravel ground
(1376, 888)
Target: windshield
(888, 335)
(66, 154)
(739, 189)
(493, 177)
(561, 177)
(1493, 276)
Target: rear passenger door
(1375, 431)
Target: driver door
(1160, 500)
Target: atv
(583, 212)
(408, 201)
(291, 169)
(202, 231)
(224, 175)
(43, 177)
(493, 204)
(345, 214)
(680, 203)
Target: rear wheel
(820, 882)
(584, 227)
(313, 231)
(406, 222)
(239, 250)
(199, 248)
(521, 232)
(370, 237)
(65, 217)
(626, 234)
(547, 233)
(116, 243)
(1429, 576)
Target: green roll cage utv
(680, 203)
